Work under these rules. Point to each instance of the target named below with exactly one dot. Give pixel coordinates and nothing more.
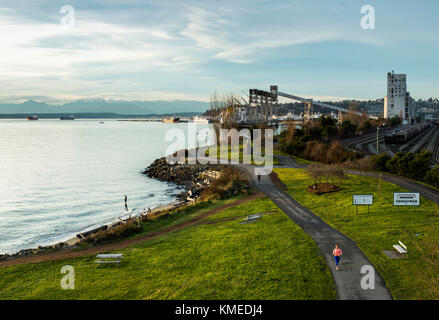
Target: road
(348, 280)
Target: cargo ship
(171, 120)
(32, 118)
(67, 118)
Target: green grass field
(268, 259)
(411, 278)
(235, 154)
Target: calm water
(61, 177)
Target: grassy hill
(216, 259)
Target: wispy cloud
(187, 49)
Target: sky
(186, 50)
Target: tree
(336, 153)
(315, 151)
(420, 164)
(366, 126)
(395, 121)
(432, 177)
(410, 165)
(347, 129)
(315, 172)
(379, 162)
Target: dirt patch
(322, 188)
(59, 255)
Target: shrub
(420, 164)
(410, 165)
(336, 153)
(314, 132)
(347, 129)
(230, 182)
(330, 131)
(105, 236)
(432, 177)
(379, 162)
(366, 126)
(315, 151)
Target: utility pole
(378, 145)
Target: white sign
(406, 199)
(363, 199)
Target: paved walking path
(348, 279)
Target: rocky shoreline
(193, 177)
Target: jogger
(337, 254)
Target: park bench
(252, 217)
(116, 257)
(401, 248)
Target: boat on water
(198, 119)
(171, 120)
(67, 118)
(32, 118)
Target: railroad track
(413, 143)
(424, 140)
(362, 142)
(433, 146)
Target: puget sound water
(58, 178)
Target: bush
(336, 153)
(366, 126)
(314, 132)
(105, 236)
(347, 129)
(379, 162)
(330, 131)
(315, 151)
(410, 165)
(420, 165)
(231, 182)
(432, 177)
(292, 141)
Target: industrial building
(398, 102)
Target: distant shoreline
(79, 116)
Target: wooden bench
(401, 248)
(115, 256)
(252, 217)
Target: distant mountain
(106, 106)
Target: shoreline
(72, 243)
(188, 195)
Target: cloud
(187, 48)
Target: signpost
(406, 199)
(362, 200)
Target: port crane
(261, 104)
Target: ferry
(32, 118)
(67, 118)
(171, 120)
